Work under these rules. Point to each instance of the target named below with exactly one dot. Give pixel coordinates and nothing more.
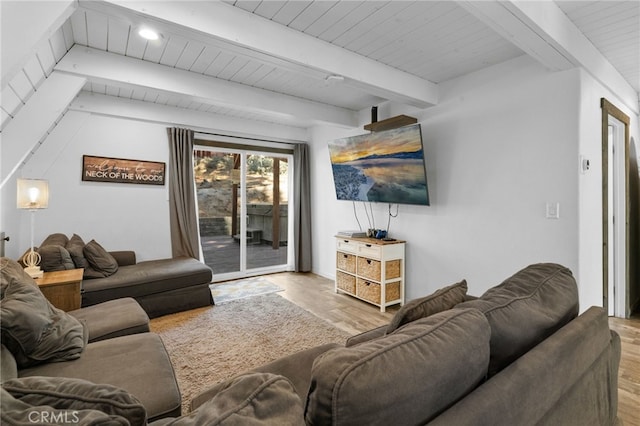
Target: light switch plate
(585, 164)
(553, 211)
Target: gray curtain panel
(302, 208)
(185, 237)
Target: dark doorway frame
(608, 109)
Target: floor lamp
(32, 195)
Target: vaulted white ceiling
(614, 29)
(296, 63)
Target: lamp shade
(33, 194)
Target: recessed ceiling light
(148, 33)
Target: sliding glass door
(267, 216)
(217, 176)
(243, 207)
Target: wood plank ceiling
(398, 34)
(614, 29)
(433, 40)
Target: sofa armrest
(118, 317)
(578, 363)
(366, 336)
(124, 257)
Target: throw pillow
(442, 300)
(75, 247)
(51, 240)
(55, 240)
(249, 399)
(404, 372)
(55, 258)
(32, 329)
(525, 309)
(75, 395)
(16, 412)
(99, 259)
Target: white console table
(371, 270)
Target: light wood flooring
(316, 294)
(629, 377)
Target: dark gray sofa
(517, 355)
(96, 360)
(161, 287)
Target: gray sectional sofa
(517, 355)
(96, 365)
(160, 286)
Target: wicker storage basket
(370, 291)
(346, 262)
(370, 268)
(346, 282)
(393, 269)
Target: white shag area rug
(241, 289)
(212, 344)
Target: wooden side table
(62, 288)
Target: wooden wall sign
(118, 170)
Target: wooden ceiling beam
(198, 120)
(30, 127)
(24, 25)
(543, 31)
(110, 68)
(291, 49)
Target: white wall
(500, 144)
(118, 216)
(9, 218)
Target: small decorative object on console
(352, 234)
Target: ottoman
(138, 363)
(118, 317)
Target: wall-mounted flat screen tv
(383, 167)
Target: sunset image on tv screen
(386, 167)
